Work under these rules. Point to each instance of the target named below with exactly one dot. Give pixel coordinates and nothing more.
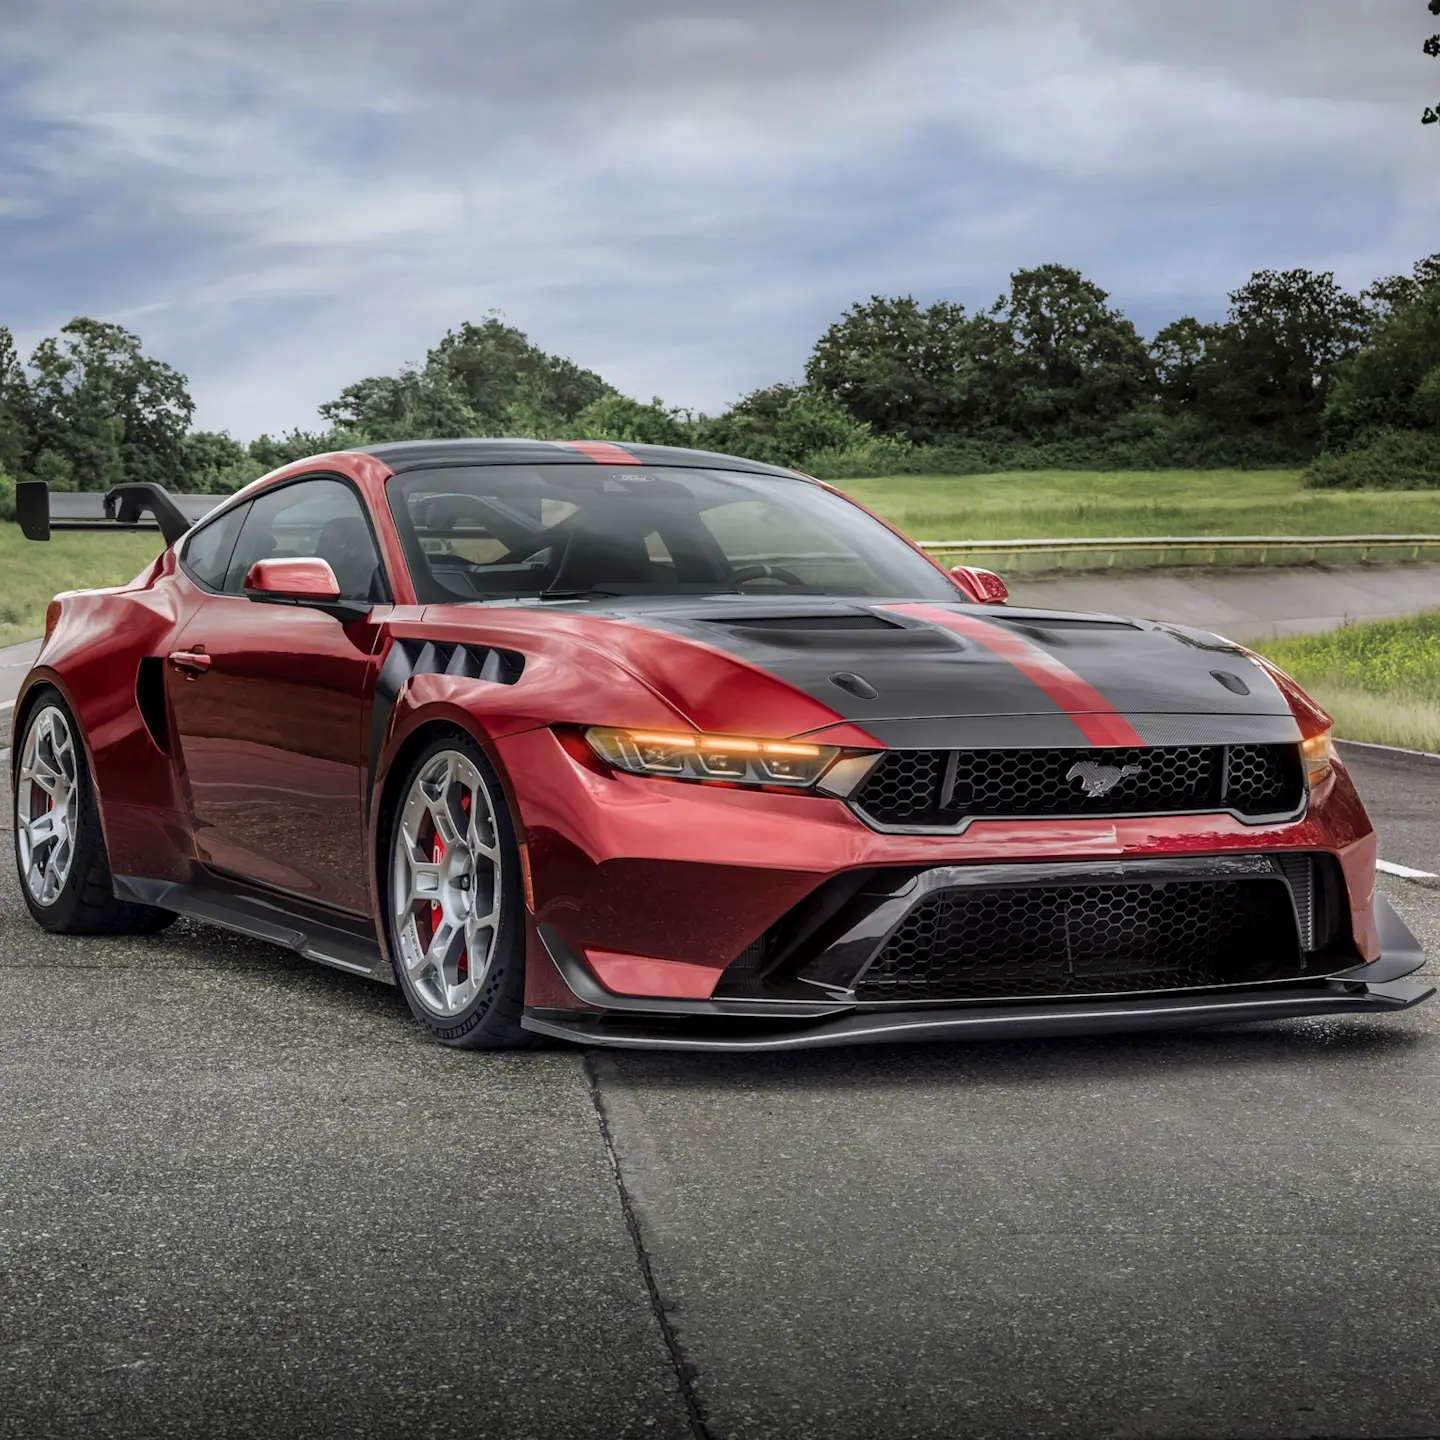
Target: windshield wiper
(636, 594)
(578, 594)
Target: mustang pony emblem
(1098, 780)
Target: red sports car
(650, 747)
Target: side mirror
(296, 581)
(309, 583)
(984, 587)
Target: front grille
(928, 789)
(972, 944)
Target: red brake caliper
(438, 854)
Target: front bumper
(752, 1025)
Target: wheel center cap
(460, 880)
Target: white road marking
(1404, 871)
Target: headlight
(732, 759)
(1319, 753)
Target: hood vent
(803, 622)
(1059, 622)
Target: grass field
(1381, 681)
(30, 574)
(1016, 505)
(1072, 504)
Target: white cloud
(291, 195)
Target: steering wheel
(765, 572)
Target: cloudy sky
(281, 196)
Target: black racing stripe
(909, 670)
(1146, 669)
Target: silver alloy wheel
(47, 805)
(446, 885)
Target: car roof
(402, 455)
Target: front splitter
(998, 1022)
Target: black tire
(491, 1021)
(86, 903)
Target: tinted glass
(206, 556)
(313, 519)
(487, 531)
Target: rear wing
(125, 507)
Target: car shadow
(1031, 1063)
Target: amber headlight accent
(1319, 753)
(734, 759)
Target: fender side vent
(150, 700)
(471, 662)
(429, 657)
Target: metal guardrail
(1197, 549)
(89, 505)
(1179, 542)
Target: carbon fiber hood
(958, 674)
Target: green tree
(1272, 364)
(1394, 292)
(900, 368)
(498, 371)
(56, 470)
(748, 426)
(485, 379)
(217, 464)
(416, 404)
(1394, 381)
(617, 417)
(107, 409)
(1179, 353)
(16, 409)
(1073, 363)
(271, 453)
(784, 425)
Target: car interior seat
(596, 558)
(345, 545)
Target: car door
(266, 699)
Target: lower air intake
(1088, 940)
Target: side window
(319, 519)
(206, 554)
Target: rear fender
(92, 656)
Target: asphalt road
(240, 1195)
(1402, 792)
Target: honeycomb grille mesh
(937, 787)
(1087, 940)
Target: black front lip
(757, 1025)
(1011, 1022)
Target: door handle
(192, 662)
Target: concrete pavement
(1257, 603)
(240, 1194)
(15, 662)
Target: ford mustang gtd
(649, 747)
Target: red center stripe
(1097, 719)
(602, 452)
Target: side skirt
(317, 934)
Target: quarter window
(206, 556)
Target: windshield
(485, 532)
